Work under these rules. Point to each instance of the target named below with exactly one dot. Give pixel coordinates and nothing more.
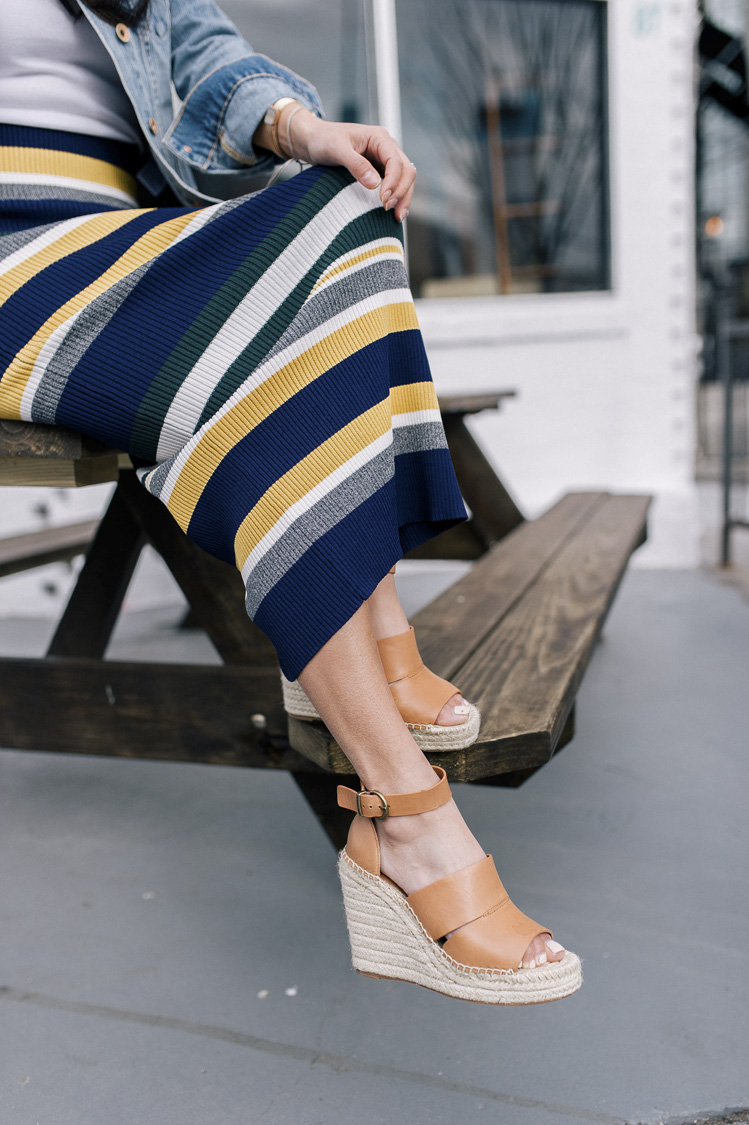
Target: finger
(359, 167)
(391, 179)
(403, 193)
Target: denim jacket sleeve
(225, 88)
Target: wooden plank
(525, 675)
(494, 513)
(165, 712)
(474, 404)
(30, 439)
(94, 604)
(39, 472)
(452, 626)
(213, 588)
(50, 544)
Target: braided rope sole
(388, 941)
(429, 737)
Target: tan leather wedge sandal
(419, 695)
(399, 937)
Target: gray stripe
(336, 298)
(157, 481)
(77, 195)
(76, 342)
(418, 437)
(314, 524)
(9, 243)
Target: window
(504, 114)
(325, 41)
(503, 105)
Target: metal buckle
(385, 808)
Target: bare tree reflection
(512, 93)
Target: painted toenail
(554, 947)
(532, 964)
(460, 710)
(541, 959)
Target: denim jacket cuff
(233, 99)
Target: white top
(55, 73)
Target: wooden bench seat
(516, 634)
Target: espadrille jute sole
(429, 737)
(389, 942)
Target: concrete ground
(174, 950)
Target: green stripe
(165, 384)
(364, 228)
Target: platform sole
(429, 737)
(388, 942)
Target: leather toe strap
(491, 932)
(419, 694)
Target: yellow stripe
(50, 162)
(354, 259)
(224, 434)
(413, 396)
(98, 226)
(308, 473)
(17, 374)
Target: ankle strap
(375, 805)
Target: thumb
(361, 169)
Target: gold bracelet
(273, 120)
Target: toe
(454, 712)
(541, 950)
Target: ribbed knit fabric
(261, 356)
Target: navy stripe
(42, 295)
(365, 228)
(124, 155)
(162, 309)
(294, 429)
(24, 214)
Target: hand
(372, 156)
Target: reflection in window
(325, 41)
(504, 117)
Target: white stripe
(291, 514)
(67, 182)
(266, 370)
(257, 307)
(59, 230)
(46, 353)
(414, 417)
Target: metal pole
(386, 67)
(725, 374)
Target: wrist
(295, 126)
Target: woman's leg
(346, 683)
(388, 619)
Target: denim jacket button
(153, 126)
(122, 31)
(160, 27)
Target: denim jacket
(204, 152)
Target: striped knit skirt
(259, 359)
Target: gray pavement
(147, 909)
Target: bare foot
(418, 850)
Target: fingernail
(405, 214)
(370, 180)
(386, 195)
(554, 947)
(391, 203)
(541, 959)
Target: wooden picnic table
(516, 632)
